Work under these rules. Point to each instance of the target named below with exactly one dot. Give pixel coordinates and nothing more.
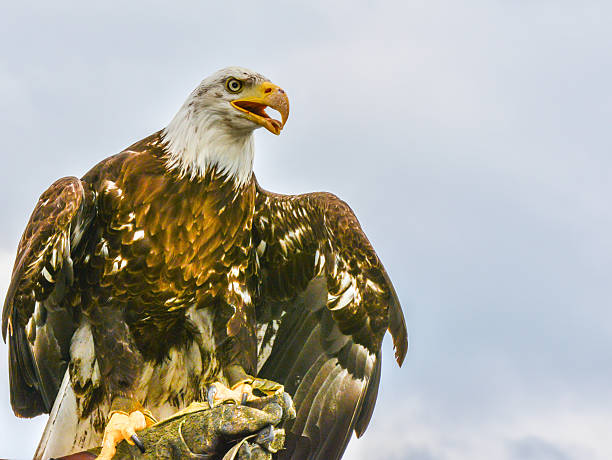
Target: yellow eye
(233, 85)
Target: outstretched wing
(324, 304)
(37, 315)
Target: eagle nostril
(267, 90)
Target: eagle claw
(211, 391)
(138, 443)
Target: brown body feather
(149, 284)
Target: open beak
(254, 105)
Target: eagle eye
(233, 85)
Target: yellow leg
(120, 426)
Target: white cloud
(410, 430)
(6, 267)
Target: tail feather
(60, 432)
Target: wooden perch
(225, 432)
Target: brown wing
(36, 316)
(324, 305)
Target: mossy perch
(225, 432)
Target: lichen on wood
(225, 432)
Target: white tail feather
(63, 420)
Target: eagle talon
(245, 390)
(138, 443)
(210, 395)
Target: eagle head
(213, 128)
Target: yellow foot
(121, 426)
(242, 392)
(218, 393)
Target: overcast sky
(471, 138)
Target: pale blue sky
(471, 138)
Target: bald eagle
(167, 269)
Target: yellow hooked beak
(255, 101)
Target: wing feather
(325, 302)
(36, 316)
